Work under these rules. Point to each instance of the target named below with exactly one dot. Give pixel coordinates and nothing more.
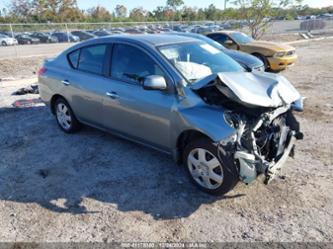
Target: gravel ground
(92, 186)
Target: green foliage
(254, 11)
(121, 11)
(257, 13)
(138, 14)
(174, 4)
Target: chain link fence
(34, 39)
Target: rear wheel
(65, 116)
(209, 172)
(3, 43)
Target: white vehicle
(7, 41)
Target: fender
(207, 120)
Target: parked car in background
(181, 96)
(83, 35)
(134, 31)
(7, 41)
(275, 56)
(26, 39)
(65, 37)
(249, 62)
(101, 33)
(6, 33)
(44, 37)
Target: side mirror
(229, 42)
(154, 82)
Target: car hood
(269, 45)
(244, 58)
(253, 89)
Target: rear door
(84, 83)
(143, 115)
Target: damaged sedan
(182, 96)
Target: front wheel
(209, 172)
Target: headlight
(279, 54)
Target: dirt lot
(92, 186)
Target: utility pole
(225, 4)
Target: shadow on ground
(40, 164)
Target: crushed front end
(260, 109)
(262, 144)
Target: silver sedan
(179, 95)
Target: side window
(213, 36)
(132, 64)
(92, 59)
(222, 38)
(73, 58)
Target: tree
(121, 11)
(189, 13)
(212, 13)
(257, 13)
(21, 8)
(163, 13)
(174, 4)
(3, 12)
(99, 13)
(138, 14)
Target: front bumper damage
(249, 156)
(259, 107)
(249, 167)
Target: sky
(151, 4)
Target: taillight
(41, 71)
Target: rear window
(74, 58)
(92, 58)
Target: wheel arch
(53, 100)
(184, 138)
(262, 57)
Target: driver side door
(128, 109)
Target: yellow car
(275, 56)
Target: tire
(263, 59)
(225, 168)
(3, 43)
(65, 116)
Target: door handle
(65, 82)
(112, 95)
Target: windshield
(240, 37)
(210, 42)
(197, 60)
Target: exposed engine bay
(265, 134)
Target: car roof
(223, 32)
(149, 39)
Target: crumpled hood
(254, 89)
